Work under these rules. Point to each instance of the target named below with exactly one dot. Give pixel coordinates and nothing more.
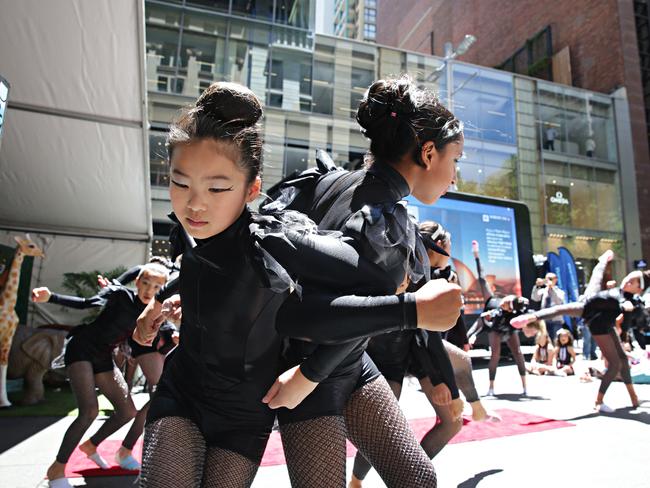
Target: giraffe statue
(8, 316)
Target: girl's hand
(627, 306)
(438, 305)
(171, 309)
(441, 395)
(457, 408)
(148, 323)
(41, 295)
(289, 390)
(102, 281)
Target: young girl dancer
(415, 143)
(150, 359)
(599, 309)
(498, 322)
(89, 362)
(565, 356)
(207, 424)
(542, 361)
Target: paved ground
(600, 451)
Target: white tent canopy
(74, 155)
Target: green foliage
(84, 284)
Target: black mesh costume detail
(175, 454)
(315, 452)
(379, 429)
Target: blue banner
(570, 275)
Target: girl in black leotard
(150, 359)
(89, 362)
(600, 310)
(565, 356)
(207, 424)
(414, 145)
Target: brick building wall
(601, 36)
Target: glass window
(259, 9)
(361, 79)
(203, 45)
(247, 55)
(606, 188)
(584, 214)
(577, 122)
(162, 16)
(484, 101)
(295, 158)
(162, 50)
(558, 202)
(291, 77)
(323, 87)
(576, 106)
(296, 13)
(552, 123)
(158, 167)
(220, 5)
(369, 31)
(488, 169)
(600, 118)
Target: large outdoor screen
(493, 225)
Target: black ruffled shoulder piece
(390, 235)
(276, 224)
(296, 192)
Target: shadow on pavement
(16, 429)
(109, 482)
(516, 397)
(477, 478)
(621, 413)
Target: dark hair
(646, 280)
(228, 113)
(434, 231)
(399, 118)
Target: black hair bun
(386, 104)
(231, 103)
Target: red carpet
(80, 465)
(514, 423)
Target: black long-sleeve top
(115, 322)
(233, 285)
(365, 206)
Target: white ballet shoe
(99, 461)
(59, 483)
(603, 408)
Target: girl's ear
(254, 190)
(428, 154)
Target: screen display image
(494, 229)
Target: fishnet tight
(379, 429)
(315, 452)
(175, 454)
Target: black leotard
(94, 342)
(231, 288)
(563, 357)
(365, 206)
